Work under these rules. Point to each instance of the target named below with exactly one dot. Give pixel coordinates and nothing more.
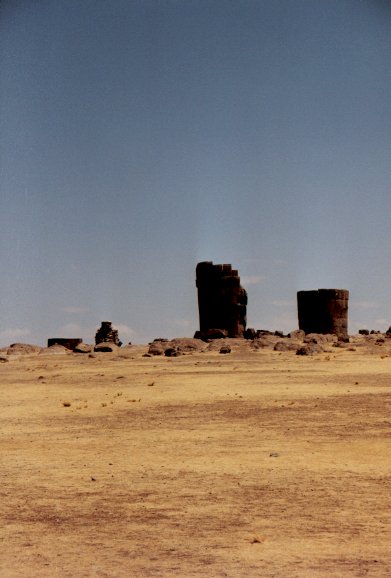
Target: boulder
(264, 342)
(55, 350)
(106, 347)
(83, 348)
(298, 334)
(171, 352)
(285, 346)
(187, 344)
(156, 348)
(250, 333)
(320, 338)
(310, 349)
(225, 348)
(211, 334)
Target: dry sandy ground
(253, 464)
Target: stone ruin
(106, 333)
(324, 311)
(69, 342)
(221, 301)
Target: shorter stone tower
(107, 333)
(324, 311)
(221, 299)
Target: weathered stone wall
(68, 342)
(221, 299)
(323, 311)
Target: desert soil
(251, 464)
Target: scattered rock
(298, 334)
(285, 346)
(320, 338)
(156, 348)
(3, 359)
(263, 342)
(171, 352)
(310, 349)
(250, 333)
(83, 348)
(187, 344)
(365, 331)
(225, 349)
(54, 350)
(257, 540)
(344, 338)
(211, 334)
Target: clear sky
(138, 137)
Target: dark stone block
(68, 342)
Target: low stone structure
(106, 333)
(68, 342)
(324, 311)
(221, 300)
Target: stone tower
(106, 333)
(324, 311)
(221, 299)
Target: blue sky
(138, 137)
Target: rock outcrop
(23, 349)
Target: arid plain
(258, 463)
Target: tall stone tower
(221, 299)
(324, 311)
(106, 333)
